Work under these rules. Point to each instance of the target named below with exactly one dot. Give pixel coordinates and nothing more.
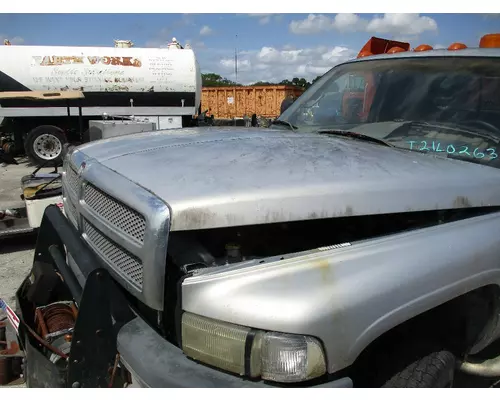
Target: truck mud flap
(102, 309)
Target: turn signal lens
(291, 358)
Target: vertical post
(236, 61)
(68, 109)
(80, 119)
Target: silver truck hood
(216, 177)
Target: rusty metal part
(113, 373)
(11, 349)
(55, 318)
(75, 310)
(58, 317)
(8, 147)
(42, 327)
(44, 342)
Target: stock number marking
(438, 147)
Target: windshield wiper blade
(354, 135)
(285, 123)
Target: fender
(349, 296)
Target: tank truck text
(93, 60)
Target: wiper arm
(354, 135)
(285, 123)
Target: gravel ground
(10, 176)
(16, 257)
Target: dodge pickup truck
(340, 247)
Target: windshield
(448, 106)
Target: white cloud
(206, 30)
(399, 24)
(275, 64)
(266, 18)
(392, 24)
(312, 24)
(243, 65)
(12, 39)
(349, 22)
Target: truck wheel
(44, 145)
(434, 370)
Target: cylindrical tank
(108, 76)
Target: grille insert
(119, 258)
(73, 182)
(70, 210)
(117, 214)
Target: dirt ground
(16, 254)
(16, 257)
(10, 182)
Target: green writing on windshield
(466, 151)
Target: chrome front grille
(119, 258)
(70, 210)
(73, 182)
(116, 213)
(125, 225)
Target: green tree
(300, 82)
(262, 83)
(213, 80)
(315, 79)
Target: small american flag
(11, 315)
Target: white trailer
(161, 84)
(38, 190)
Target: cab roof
(469, 52)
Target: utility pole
(236, 61)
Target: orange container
(227, 102)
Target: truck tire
(44, 145)
(434, 370)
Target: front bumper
(107, 324)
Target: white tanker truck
(161, 84)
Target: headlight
(273, 356)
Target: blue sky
(271, 46)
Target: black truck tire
(44, 145)
(434, 370)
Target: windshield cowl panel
(447, 106)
